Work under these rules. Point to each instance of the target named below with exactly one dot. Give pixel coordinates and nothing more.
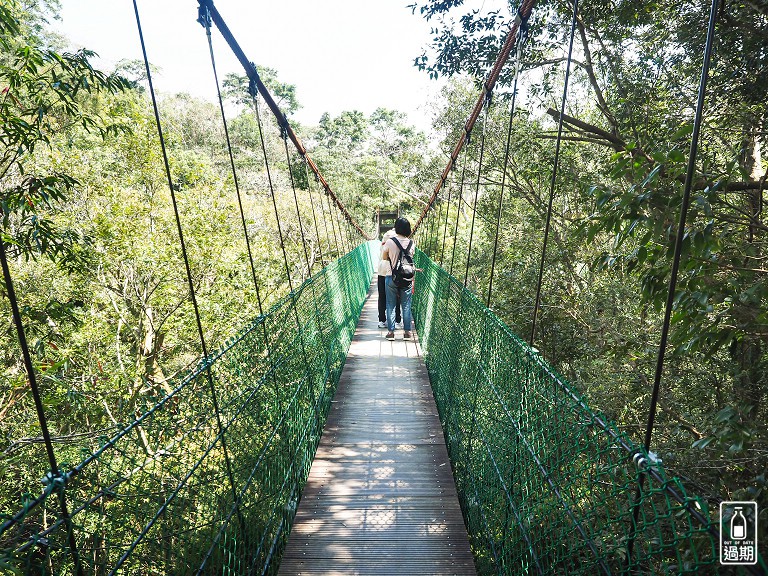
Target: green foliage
(42, 93)
(617, 200)
(192, 480)
(107, 311)
(378, 161)
(346, 132)
(236, 87)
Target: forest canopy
(627, 125)
(89, 227)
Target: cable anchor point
(488, 96)
(253, 88)
(204, 16)
(57, 481)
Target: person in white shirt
(391, 252)
(385, 269)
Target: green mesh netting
(157, 498)
(546, 485)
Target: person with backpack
(399, 251)
(385, 269)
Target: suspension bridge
(309, 444)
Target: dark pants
(383, 302)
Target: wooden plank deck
(380, 498)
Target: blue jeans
(405, 302)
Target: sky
(340, 54)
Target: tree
(42, 93)
(635, 74)
(379, 161)
(347, 132)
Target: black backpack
(403, 270)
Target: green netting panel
(546, 485)
(157, 498)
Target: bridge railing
(547, 486)
(184, 491)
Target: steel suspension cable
(429, 241)
(299, 328)
(260, 126)
(698, 118)
(445, 226)
(343, 237)
(421, 236)
(351, 234)
(56, 478)
(523, 36)
(296, 201)
(328, 236)
(489, 98)
(438, 230)
(205, 19)
(350, 237)
(314, 215)
(190, 285)
(436, 216)
(432, 234)
(518, 58)
(458, 206)
(346, 232)
(333, 225)
(693, 151)
(259, 87)
(553, 180)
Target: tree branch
(601, 103)
(620, 145)
(615, 142)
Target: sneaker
(407, 335)
(382, 324)
(399, 325)
(390, 336)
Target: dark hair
(403, 227)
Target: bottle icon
(738, 525)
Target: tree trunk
(148, 370)
(750, 385)
(751, 164)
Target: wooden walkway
(380, 498)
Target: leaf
(652, 175)
(725, 415)
(684, 131)
(675, 157)
(703, 442)
(736, 446)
